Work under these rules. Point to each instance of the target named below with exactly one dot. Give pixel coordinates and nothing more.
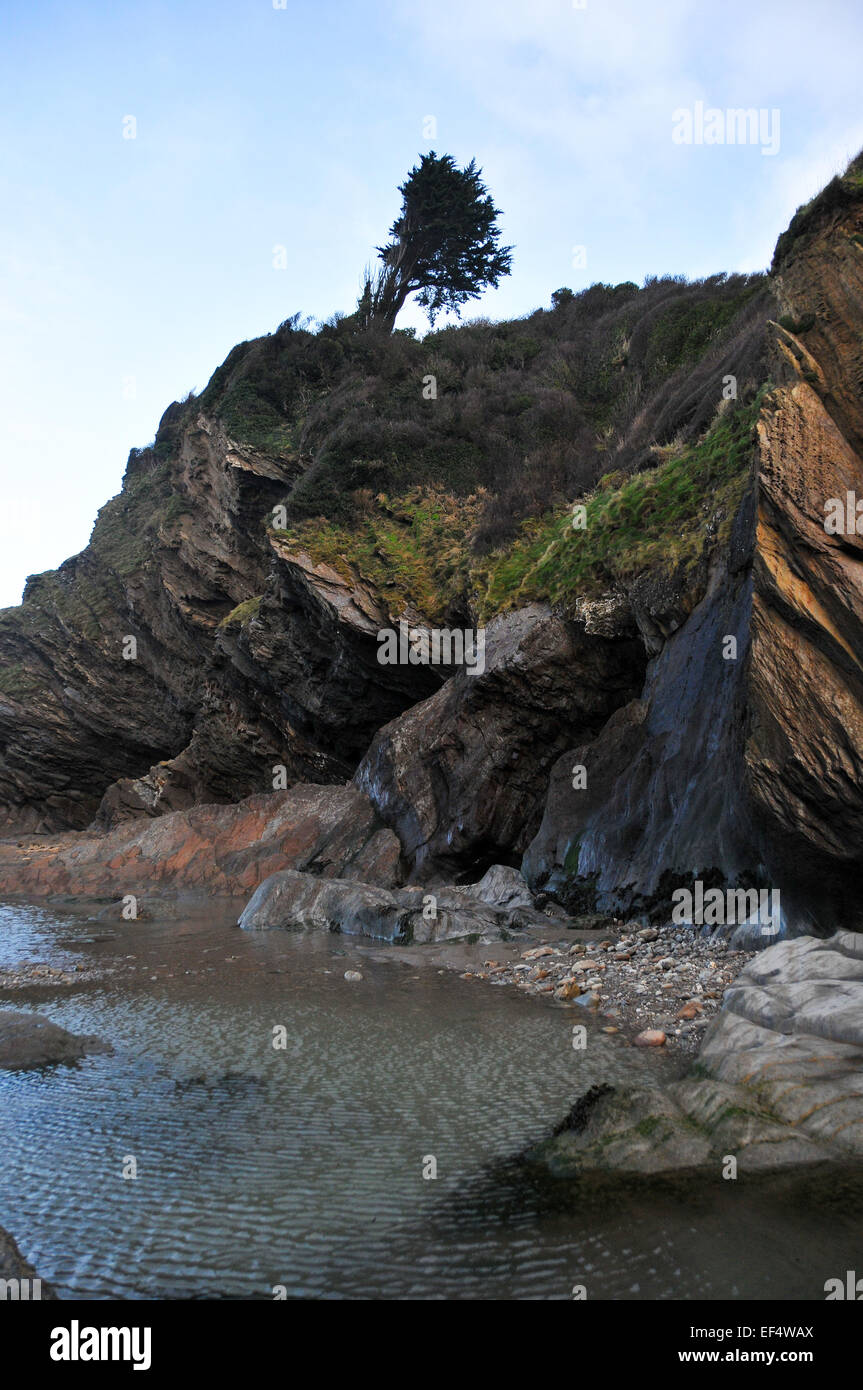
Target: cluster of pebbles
(663, 984)
(29, 972)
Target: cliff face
(247, 659)
(461, 776)
(75, 713)
(256, 644)
(804, 749)
(608, 646)
(749, 770)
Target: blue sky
(130, 267)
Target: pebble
(690, 1010)
(353, 975)
(666, 980)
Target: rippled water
(303, 1167)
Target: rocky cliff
(746, 768)
(626, 494)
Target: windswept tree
(443, 246)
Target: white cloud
(592, 92)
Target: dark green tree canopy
(443, 246)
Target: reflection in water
(302, 1167)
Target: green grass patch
(413, 550)
(416, 549)
(655, 520)
(242, 613)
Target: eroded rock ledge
(226, 850)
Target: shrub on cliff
(530, 412)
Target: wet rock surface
(26, 1284)
(663, 779)
(297, 901)
(792, 1031)
(685, 1125)
(28, 1041)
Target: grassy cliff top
(523, 414)
(442, 469)
(418, 550)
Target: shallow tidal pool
(301, 1168)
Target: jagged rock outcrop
(248, 658)
(460, 776)
(170, 556)
(256, 650)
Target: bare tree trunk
(395, 282)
